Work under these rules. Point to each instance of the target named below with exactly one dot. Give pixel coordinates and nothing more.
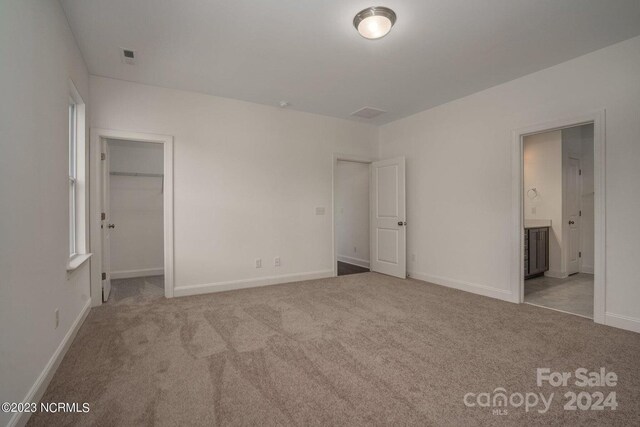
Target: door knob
(401, 223)
(571, 222)
(111, 226)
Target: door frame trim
(97, 135)
(355, 158)
(598, 118)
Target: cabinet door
(533, 251)
(543, 237)
(526, 252)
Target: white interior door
(572, 216)
(106, 225)
(388, 221)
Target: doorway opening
(352, 216)
(386, 212)
(559, 219)
(132, 201)
(133, 242)
(558, 238)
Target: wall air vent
(128, 56)
(367, 113)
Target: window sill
(77, 261)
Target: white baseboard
(128, 274)
(249, 283)
(502, 294)
(355, 261)
(556, 274)
(36, 392)
(622, 322)
(587, 269)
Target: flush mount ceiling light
(374, 22)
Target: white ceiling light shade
(374, 22)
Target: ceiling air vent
(128, 56)
(367, 113)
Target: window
(77, 239)
(73, 179)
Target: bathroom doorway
(558, 204)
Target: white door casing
(572, 214)
(105, 226)
(388, 218)
(96, 199)
(598, 118)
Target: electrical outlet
(276, 261)
(259, 263)
(413, 257)
(355, 249)
(57, 318)
(533, 210)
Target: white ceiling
(308, 53)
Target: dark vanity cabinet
(536, 251)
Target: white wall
(459, 173)
(140, 157)
(352, 212)
(39, 56)
(543, 171)
(248, 179)
(137, 247)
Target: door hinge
(579, 254)
(103, 156)
(104, 276)
(103, 216)
(579, 213)
(579, 171)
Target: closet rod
(151, 175)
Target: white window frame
(77, 183)
(73, 179)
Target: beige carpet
(363, 349)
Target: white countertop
(536, 223)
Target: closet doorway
(133, 205)
(132, 197)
